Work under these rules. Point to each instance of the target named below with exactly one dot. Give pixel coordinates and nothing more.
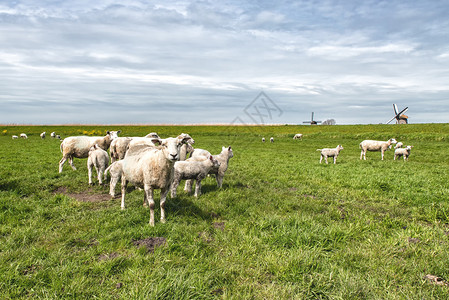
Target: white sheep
(223, 158)
(23, 136)
(15, 137)
(330, 152)
(272, 139)
(99, 159)
(43, 135)
(58, 136)
(194, 168)
(263, 140)
(139, 141)
(399, 145)
(298, 136)
(79, 146)
(118, 148)
(405, 152)
(53, 134)
(149, 168)
(370, 145)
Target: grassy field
(282, 227)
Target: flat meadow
(283, 226)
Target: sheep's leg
(174, 186)
(321, 158)
(124, 184)
(219, 178)
(164, 193)
(150, 199)
(382, 154)
(198, 187)
(325, 159)
(188, 186)
(61, 163)
(89, 171)
(335, 160)
(99, 174)
(361, 155)
(71, 162)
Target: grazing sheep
(370, 145)
(223, 158)
(195, 168)
(43, 135)
(263, 140)
(298, 136)
(149, 168)
(53, 134)
(272, 139)
(23, 136)
(99, 159)
(399, 145)
(330, 152)
(120, 145)
(58, 136)
(405, 152)
(15, 137)
(79, 146)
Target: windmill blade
(402, 111)
(391, 120)
(395, 107)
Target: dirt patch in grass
(86, 196)
(151, 243)
(108, 256)
(219, 225)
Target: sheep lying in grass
(405, 152)
(79, 146)
(330, 152)
(14, 137)
(195, 168)
(298, 136)
(370, 145)
(149, 168)
(43, 135)
(99, 159)
(23, 136)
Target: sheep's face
(393, 141)
(113, 134)
(187, 137)
(152, 135)
(215, 162)
(171, 146)
(228, 150)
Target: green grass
(292, 228)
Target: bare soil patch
(86, 196)
(108, 256)
(219, 225)
(151, 243)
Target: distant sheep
(15, 137)
(99, 159)
(271, 139)
(298, 136)
(263, 140)
(58, 136)
(79, 146)
(405, 152)
(43, 135)
(195, 168)
(53, 134)
(330, 152)
(370, 145)
(23, 136)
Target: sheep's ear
(211, 158)
(229, 148)
(156, 141)
(184, 139)
(108, 132)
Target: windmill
(400, 118)
(312, 122)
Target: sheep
(23, 136)
(99, 159)
(148, 141)
(120, 145)
(58, 136)
(298, 136)
(223, 158)
(15, 137)
(399, 145)
(186, 149)
(150, 168)
(330, 152)
(405, 152)
(79, 146)
(271, 139)
(53, 134)
(194, 168)
(370, 145)
(263, 140)
(43, 135)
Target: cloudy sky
(174, 62)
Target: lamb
(43, 135)
(23, 136)
(79, 146)
(99, 159)
(370, 145)
(330, 152)
(195, 168)
(53, 134)
(272, 139)
(298, 136)
(223, 158)
(399, 145)
(151, 168)
(15, 137)
(405, 152)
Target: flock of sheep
(146, 162)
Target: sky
(222, 62)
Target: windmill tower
(399, 116)
(312, 121)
